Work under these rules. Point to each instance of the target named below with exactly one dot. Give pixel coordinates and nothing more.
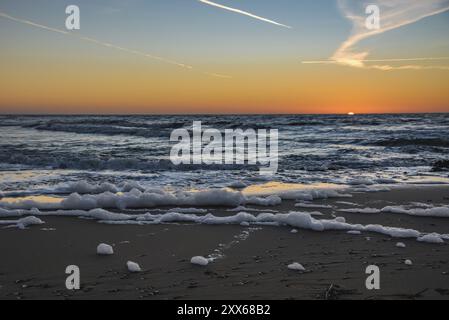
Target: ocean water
(38, 153)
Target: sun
(351, 114)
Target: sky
(223, 56)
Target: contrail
(217, 75)
(106, 44)
(244, 13)
(30, 23)
(330, 61)
(388, 67)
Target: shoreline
(252, 261)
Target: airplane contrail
(106, 44)
(388, 67)
(330, 61)
(243, 13)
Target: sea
(39, 153)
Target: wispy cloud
(107, 44)
(214, 4)
(394, 14)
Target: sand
(252, 262)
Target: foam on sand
(272, 200)
(83, 187)
(400, 245)
(299, 220)
(133, 267)
(131, 195)
(9, 213)
(200, 261)
(94, 206)
(96, 214)
(22, 223)
(296, 267)
(431, 238)
(105, 250)
(437, 212)
(136, 199)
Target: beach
(223, 152)
(251, 261)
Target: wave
(400, 142)
(130, 129)
(440, 166)
(40, 159)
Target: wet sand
(254, 262)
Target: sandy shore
(254, 262)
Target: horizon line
(212, 114)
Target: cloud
(393, 14)
(107, 44)
(243, 13)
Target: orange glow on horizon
(108, 87)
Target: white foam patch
(400, 245)
(22, 223)
(438, 212)
(431, 238)
(300, 220)
(83, 187)
(133, 267)
(136, 199)
(296, 267)
(104, 249)
(30, 204)
(97, 214)
(272, 200)
(421, 205)
(199, 261)
(9, 213)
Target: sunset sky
(214, 60)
